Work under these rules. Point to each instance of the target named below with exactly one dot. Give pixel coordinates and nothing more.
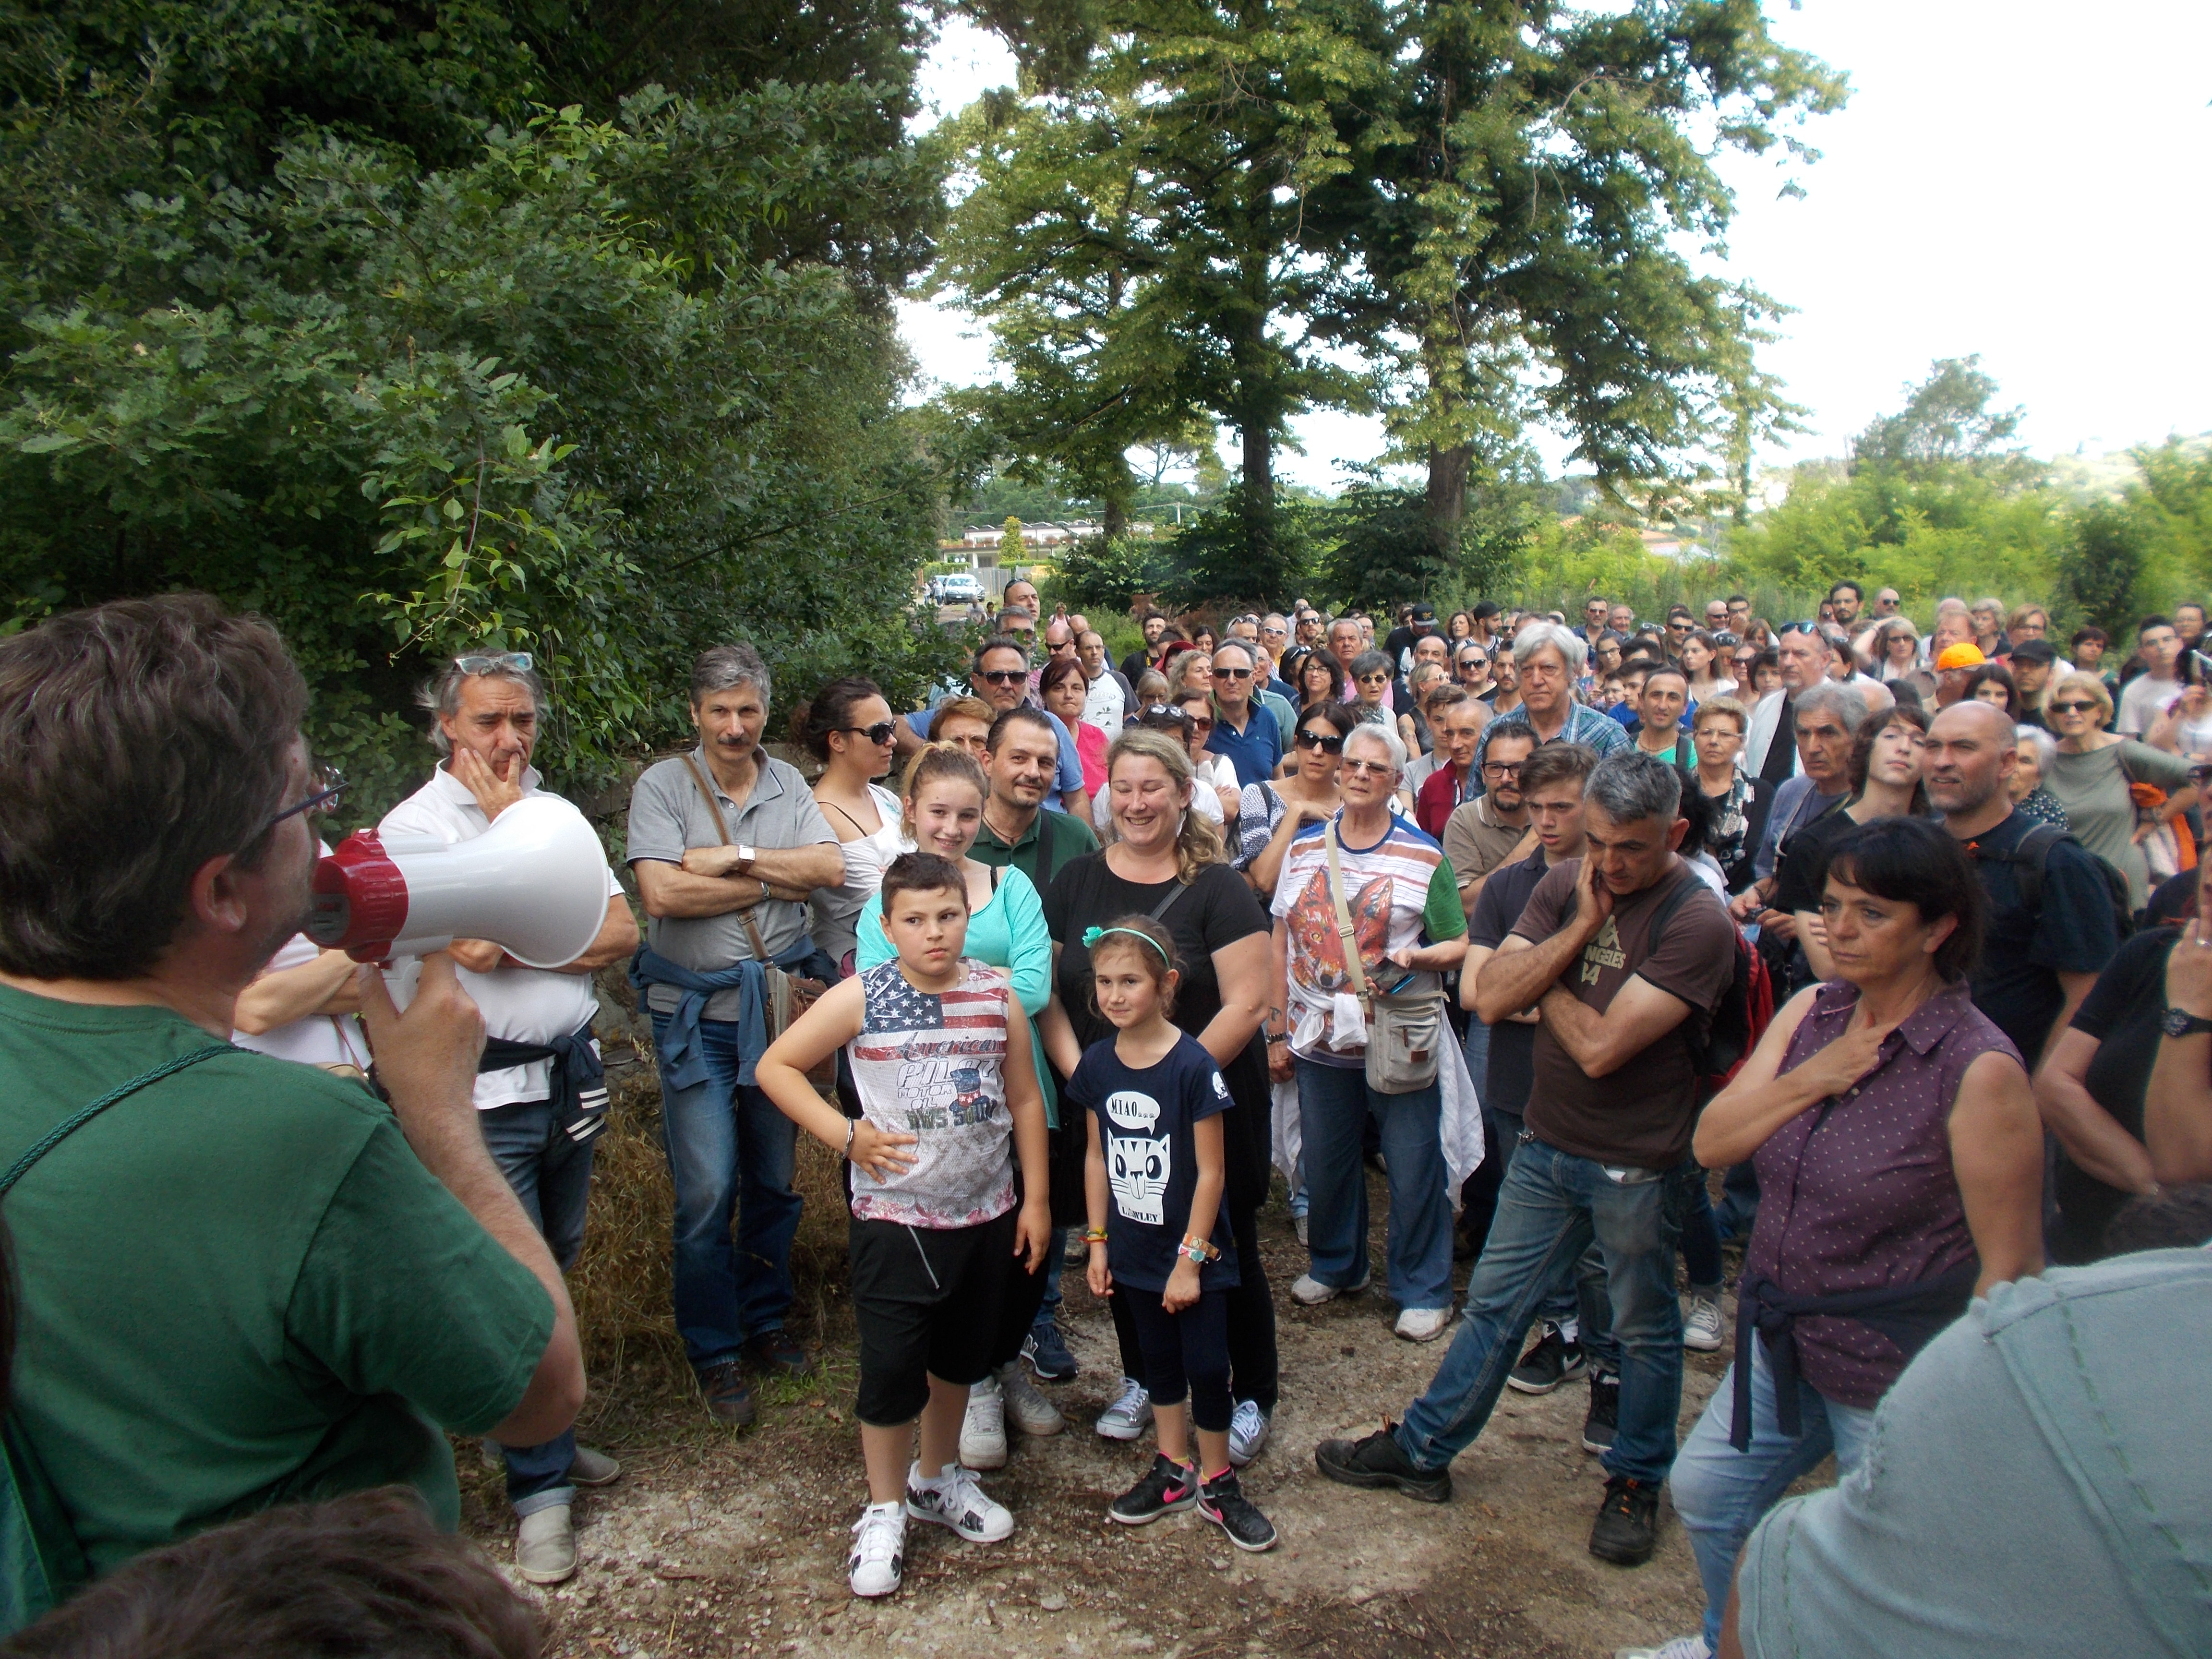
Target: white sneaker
(1031, 1413)
(1298, 1221)
(983, 1428)
(957, 1499)
(1683, 1647)
(545, 1548)
(1701, 1325)
(879, 1559)
(1130, 1414)
(1248, 1433)
(1310, 1292)
(1422, 1324)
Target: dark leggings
(1251, 1322)
(1185, 1353)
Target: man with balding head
(2051, 927)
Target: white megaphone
(534, 884)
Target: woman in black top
(1165, 861)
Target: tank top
(932, 1066)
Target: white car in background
(958, 588)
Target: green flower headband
(1092, 935)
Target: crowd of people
(1875, 955)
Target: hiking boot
(545, 1549)
(1379, 1461)
(983, 1428)
(1310, 1292)
(1627, 1522)
(957, 1499)
(729, 1397)
(1248, 1433)
(1167, 1486)
(1046, 1350)
(1550, 1361)
(1026, 1409)
(591, 1469)
(877, 1563)
(772, 1353)
(1604, 1416)
(1222, 1501)
(1701, 1324)
(1130, 1414)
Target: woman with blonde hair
(2114, 791)
(1166, 862)
(1986, 617)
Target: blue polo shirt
(1255, 752)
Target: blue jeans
(1721, 1492)
(1550, 1208)
(731, 1155)
(1335, 1103)
(552, 1178)
(1581, 1301)
(1701, 1233)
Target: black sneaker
(1222, 1501)
(1167, 1486)
(729, 1397)
(1550, 1361)
(1047, 1351)
(1604, 1418)
(772, 1353)
(1379, 1461)
(1627, 1522)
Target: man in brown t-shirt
(1491, 830)
(1608, 1121)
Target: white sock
(1571, 1329)
(914, 1477)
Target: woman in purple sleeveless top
(1900, 1171)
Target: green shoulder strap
(41, 1562)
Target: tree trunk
(1115, 516)
(1447, 496)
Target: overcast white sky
(2017, 180)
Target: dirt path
(716, 1544)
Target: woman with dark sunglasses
(1272, 812)
(848, 729)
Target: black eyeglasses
(1328, 742)
(1233, 673)
(1501, 768)
(880, 733)
(2072, 707)
(1006, 675)
(328, 786)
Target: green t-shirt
(239, 1286)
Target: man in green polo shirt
(1020, 755)
(248, 1281)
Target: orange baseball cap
(1960, 656)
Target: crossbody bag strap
(1167, 902)
(1343, 929)
(715, 811)
(84, 1115)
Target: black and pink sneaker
(1167, 1486)
(1222, 1501)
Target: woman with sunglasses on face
(849, 730)
(1272, 813)
(2097, 774)
(1471, 670)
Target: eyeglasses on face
(325, 787)
(1501, 768)
(1006, 675)
(1374, 679)
(519, 662)
(1233, 673)
(1328, 742)
(1366, 767)
(2072, 707)
(880, 733)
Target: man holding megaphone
(540, 1095)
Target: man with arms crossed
(1615, 1095)
(246, 1282)
(542, 1106)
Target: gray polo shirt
(668, 815)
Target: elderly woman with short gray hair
(1395, 887)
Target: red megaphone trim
(359, 899)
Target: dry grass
(621, 1284)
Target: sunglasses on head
(519, 662)
(880, 733)
(1162, 717)
(1328, 742)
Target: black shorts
(920, 1296)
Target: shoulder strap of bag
(1343, 929)
(715, 811)
(1044, 848)
(84, 1115)
(1167, 901)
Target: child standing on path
(940, 1053)
(1155, 1163)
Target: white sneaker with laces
(1248, 1433)
(1683, 1647)
(983, 1428)
(1310, 1292)
(1130, 1414)
(878, 1563)
(1422, 1324)
(1028, 1409)
(955, 1499)
(1701, 1325)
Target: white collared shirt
(522, 1004)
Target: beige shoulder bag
(1403, 1032)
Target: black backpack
(1746, 1007)
(2031, 854)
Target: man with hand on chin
(540, 1095)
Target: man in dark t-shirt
(2038, 961)
(1624, 954)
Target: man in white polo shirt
(539, 1116)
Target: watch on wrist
(746, 855)
(2178, 1023)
